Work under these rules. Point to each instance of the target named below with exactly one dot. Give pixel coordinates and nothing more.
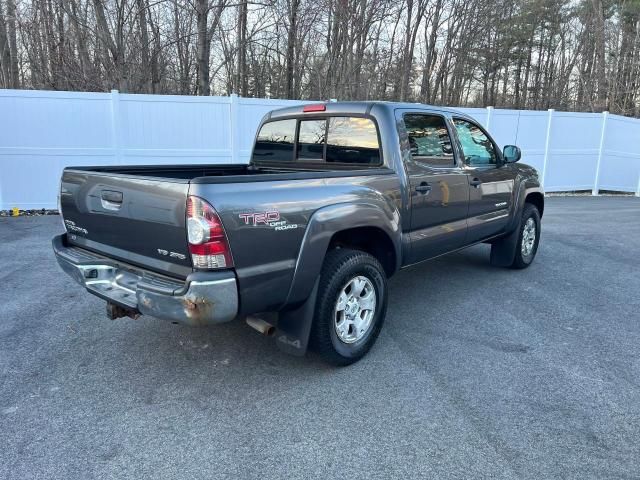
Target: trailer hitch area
(116, 311)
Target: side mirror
(511, 154)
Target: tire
(524, 255)
(344, 271)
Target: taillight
(208, 243)
(60, 206)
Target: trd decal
(270, 219)
(263, 218)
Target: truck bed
(132, 213)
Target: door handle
(424, 187)
(475, 182)
(111, 200)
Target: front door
(439, 187)
(491, 183)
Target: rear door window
(275, 141)
(429, 139)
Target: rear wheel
(351, 306)
(528, 238)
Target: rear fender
(328, 221)
(295, 319)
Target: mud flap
(294, 326)
(503, 251)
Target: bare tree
(570, 54)
(206, 29)
(9, 45)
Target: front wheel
(350, 307)
(529, 237)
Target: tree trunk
(291, 42)
(242, 84)
(601, 72)
(204, 47)
(205, 34)
(5, 53)
(13, 44)
(144, 43)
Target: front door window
(476, 147)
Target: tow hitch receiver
(116, 311)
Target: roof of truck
(358, 107)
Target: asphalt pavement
(479, 372)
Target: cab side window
(477, 148)
(429, 140)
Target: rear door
(439, 187)
(139, 220)
(491, 184)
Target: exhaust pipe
(261, 326)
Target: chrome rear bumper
(204, 298)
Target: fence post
(235, 128)
(115, 125)
(487, 124)
(546, 147)
(638, 189)
(596, 182)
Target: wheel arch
(346, 225)
(536, 199)
(372, 240)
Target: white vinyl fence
(41, 132)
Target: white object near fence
(41, 132)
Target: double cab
(300, 242)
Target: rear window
(334, 140)
(275, 141)
(311, 139)
(352, 140)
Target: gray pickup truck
(337, 197)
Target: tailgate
(140, 220)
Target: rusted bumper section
(204, 298)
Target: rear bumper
(204, 298)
